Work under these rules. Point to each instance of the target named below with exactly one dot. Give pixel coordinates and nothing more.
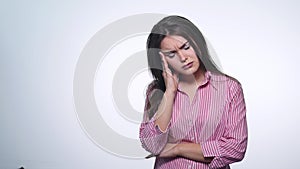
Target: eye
(186, 46)
(170, 54)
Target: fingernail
(160, 54)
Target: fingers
(166, 70)
(176, 76)
(165, 64)
(162, 56)
(169, 146)
(164, 74)
(168, 151)
(150, 156)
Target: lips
(187, 66)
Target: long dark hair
(176, 25)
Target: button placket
(192, 137)
(192, 122)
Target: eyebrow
(173, 51)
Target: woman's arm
(230, 148)
(164, 112)
(153, 135)
(154, 130)
(192, 151)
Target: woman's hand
(170, 150)
(171, 80)
(189, 150)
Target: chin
(188, 72)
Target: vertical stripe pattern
(215, 119)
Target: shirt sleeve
(153, 139)
(231, 147)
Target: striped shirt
(215, 119)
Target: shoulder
(151, 86)
(154, 90)
(229, 83)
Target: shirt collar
(207, 79)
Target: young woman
(195, 115)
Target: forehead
(172, 42)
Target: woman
(195, 115)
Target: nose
(182, 57)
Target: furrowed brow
(181, 47)
(173, 51)
(168, 51)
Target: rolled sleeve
(153, 139)
(231, 147)
(211, 148)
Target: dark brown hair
(176, 25)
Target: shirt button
(191, 122)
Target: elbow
(239, 150)
(242, 148)
(152, 146)
(238, 155)
(153, 140)
(234, 154)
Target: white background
(40, 41)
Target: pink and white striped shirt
(216, 119)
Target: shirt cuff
(160, 131)
(157, 129)
(212, 149)
(153, 138)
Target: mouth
(187, 66)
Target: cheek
(191, 53)
(173, 64)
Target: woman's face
(179, 55)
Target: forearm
(164, 111)
(192, 151)
(153, 133)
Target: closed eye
(170, 54)
(186, 46)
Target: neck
(196, 78)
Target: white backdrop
(255, 41)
